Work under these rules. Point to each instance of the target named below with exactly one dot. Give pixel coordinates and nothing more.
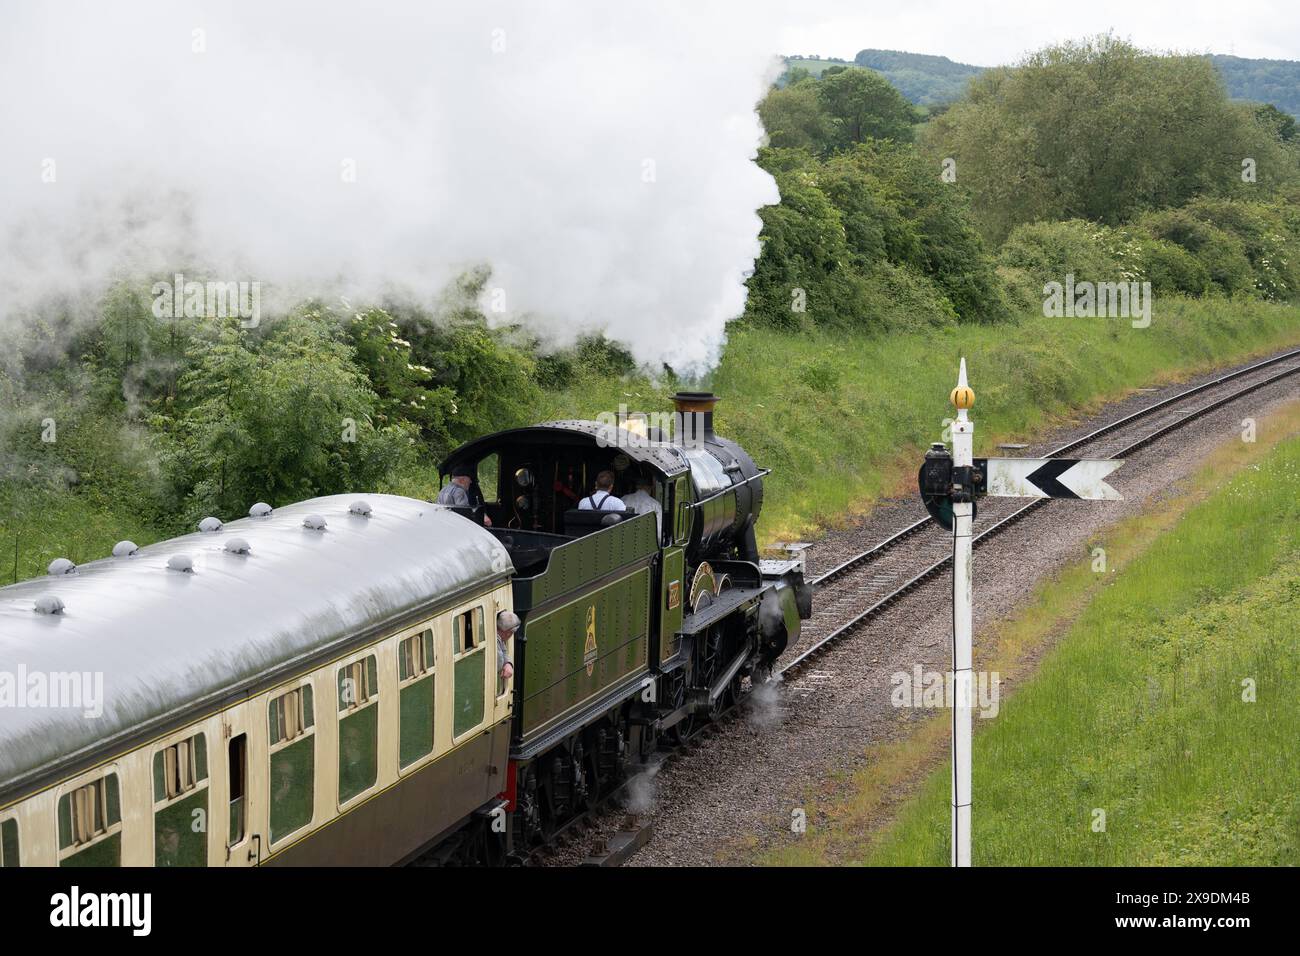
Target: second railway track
(861, 587)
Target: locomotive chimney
(693, 418)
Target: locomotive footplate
(725, 604)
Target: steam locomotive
(319, 683)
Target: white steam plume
(596, 155)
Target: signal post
(949, 488)
(963, 450)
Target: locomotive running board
(728, 602)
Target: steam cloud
(596, 156)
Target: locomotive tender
(318, 685)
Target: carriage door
(239, 818)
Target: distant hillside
(1263, 81)
(922, 78)
(928, 80)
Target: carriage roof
(167, 641)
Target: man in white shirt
(602, 499)
(642, 501)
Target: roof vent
(48, 604)
(259, 510)
(61, 566)
(181, 562)
(124, 549)
(314, 523)
(361, 508)
(209, 525)
(238, 546)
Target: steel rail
(1020, 513)
(874, 551)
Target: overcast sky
(989, 34)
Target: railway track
(636, 829)
(860, 588)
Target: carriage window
(180, 785)
(238, 767)
(416, 697)
(291, 715)
(469, 630)
(469, 671)
(293, 761)
(358, 727)
(9, 843)
(180, 768)
(358, 684)
(90, 820)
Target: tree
(794, 117)
(1100, 131)
(862, 105)
(1273, 118)
(280, 418)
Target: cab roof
(664, 456)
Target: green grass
(1139, 711)
(71, 525)
(844, 418)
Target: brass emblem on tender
(589, 650)
(674, 594)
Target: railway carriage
(318, 684)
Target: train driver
(460, 491)
(602, 499)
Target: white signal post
(963, 442)
(961, 480)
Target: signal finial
(963, 396)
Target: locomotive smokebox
(728, 486)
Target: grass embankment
(1139, 711)
(64, 525)
(841, 418)
(844, 419)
